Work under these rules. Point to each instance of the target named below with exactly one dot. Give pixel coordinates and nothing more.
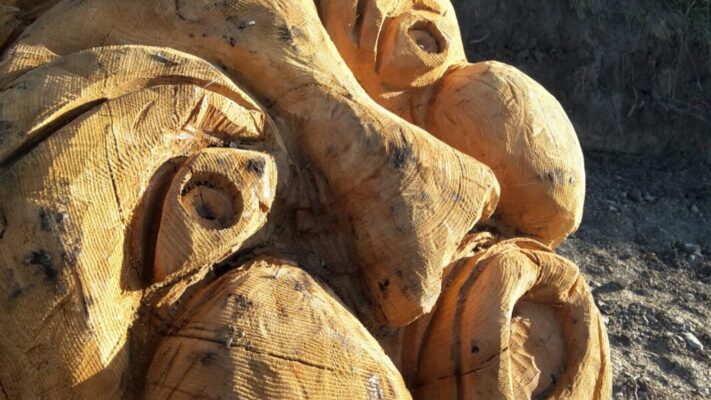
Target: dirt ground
(645, 246)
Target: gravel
(649, 265)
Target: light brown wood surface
(514, 321)
(282, 199)
(409, 57)
(269, 330)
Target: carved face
(175, 168)
(394, 46)
(409, 57)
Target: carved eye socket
(212, 200)
(414, 52)
(426, 38)
(217, 199)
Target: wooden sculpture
(282, 199)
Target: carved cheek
(503, 118)
(257, 331)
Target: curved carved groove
(45, 131)
(31, 111)
(142, 233)
(478, 343)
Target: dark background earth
(635, 78)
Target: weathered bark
(205, 202)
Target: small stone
(602, 306)
(694, 259)
(613, 209)
(247, 24)
(649, 198)
(594, 284)
(635, 195)
(693, 342)
(622, 282)
(688, 297)
(692, 248)
(679, 324)
(694, 209)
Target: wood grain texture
(506, 120)
(284, 54)
(514, 322)
(270, 331)
(73, 244)
(217, 200)
(409, 57)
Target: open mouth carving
(427, 37)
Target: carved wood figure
(262, 199)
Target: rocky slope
(645, 246)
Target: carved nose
(409, 198)
(410, 216)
